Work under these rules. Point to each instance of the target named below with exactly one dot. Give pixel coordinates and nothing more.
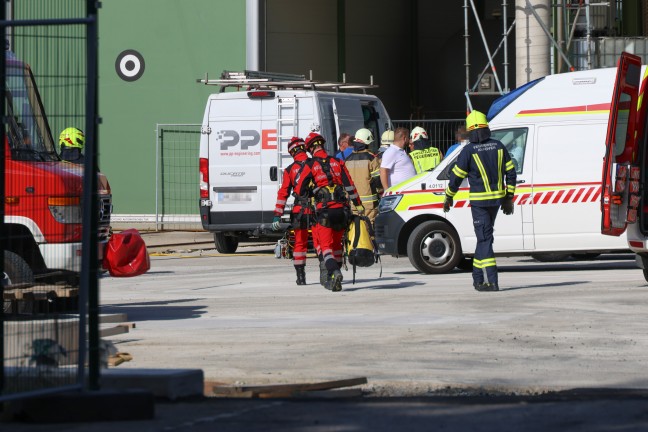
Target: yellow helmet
(72, 137)
(476, 120)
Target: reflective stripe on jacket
(361, 165)
(486, 165)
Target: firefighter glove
(360, 209)
(447, 203)
(507, 205)
(275, 223)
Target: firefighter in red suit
(301, 211)
(327, 180)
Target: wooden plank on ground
(112, 331)
(39, 293)
(288, 388)
(315, 394)
(112, 318)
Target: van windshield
(514, 140)
(503, 101)
(28, 132)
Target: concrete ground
(503, 356)
(241, 318)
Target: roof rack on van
(273, 80)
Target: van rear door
(620, 179)
(234, 159)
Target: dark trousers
(484, 265)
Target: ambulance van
(554, 129)
(244, 139)
(624, 208)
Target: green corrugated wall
(179, 40)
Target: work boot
(324, 276)
(335, 281)
(486, 286)
(301, 275)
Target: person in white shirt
(396, 165)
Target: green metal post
(90, 257)
(341, 39)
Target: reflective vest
(425, 159)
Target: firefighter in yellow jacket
(424, 155)
(361, 164)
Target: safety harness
(332, 192)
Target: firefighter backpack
(359, 243)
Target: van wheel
(550, 256)
(16, 271)
(434, 247)
(225, 243)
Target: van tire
(434, 248)
(225, 244)
(550, 256)
(16, 271)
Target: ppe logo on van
(246, 140)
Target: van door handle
(520, 181)
(273, 173)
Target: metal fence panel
(44, 235)
(441, 132)
(177, 193)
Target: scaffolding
(586, 19)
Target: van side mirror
(273, 173)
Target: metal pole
(589, 35)
(341, 39)
(505, 39)
(548, 33)
(490, 58)
(3, 71)
(502, 43)
(252, 34)
(90, 258)
(573, 29)
(559, 31)
(467, 63)
(157, 176)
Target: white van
(555, 130)
(624, 170)
(243, 146)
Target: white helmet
(417, 133)
(364, 136)
(387, 138)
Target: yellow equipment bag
(361, 250)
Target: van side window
(515, 142)
(370, 118)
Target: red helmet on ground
(314, 139)
(296, 144)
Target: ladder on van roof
(276, 81)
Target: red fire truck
(42, 193)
